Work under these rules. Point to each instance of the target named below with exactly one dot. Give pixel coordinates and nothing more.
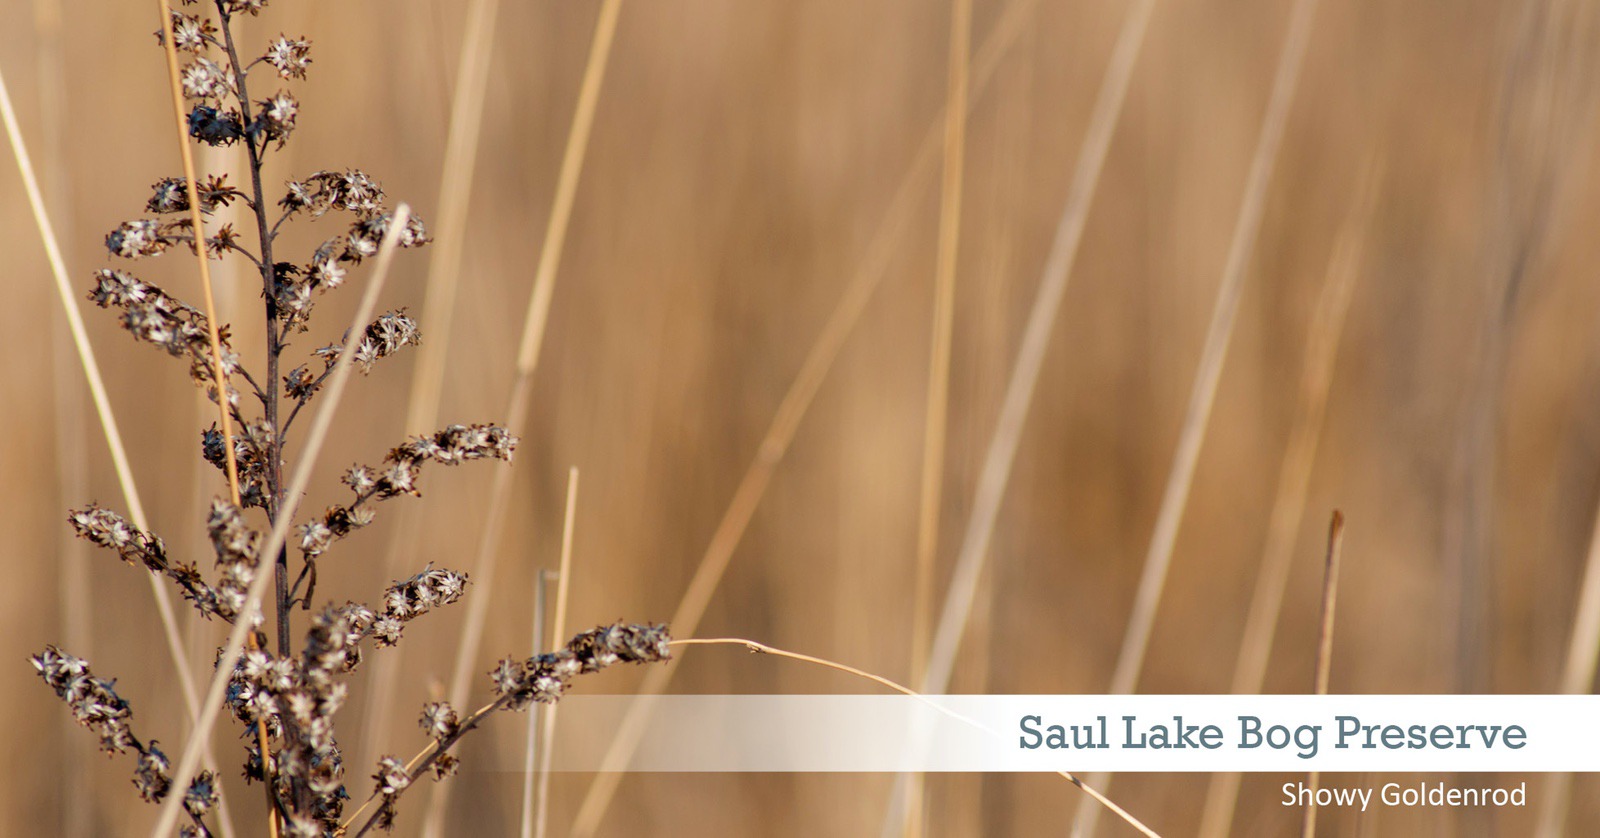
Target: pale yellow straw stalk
(1208, 374)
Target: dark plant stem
(245, 374)
(434, 751)
(269, 289)
(300, 795)
(205, 831)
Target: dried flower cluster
(351, 191)
(96, 705)
(171, 194)
(451, 446)
(101, 526)
(518, 684)
(382, 338)
(156, 317)
(256, 453)
(408, 600)
(295, 700)
(440, 720)
(545, 677)
(236, 546)
(286, 694)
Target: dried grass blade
(1294, 480)
(1208, 373)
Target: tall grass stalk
(180, 123)
(1330, 594)
(71, 432)
(547, 741)
(530, 754)
(1003, 443)
(1294, 481)
(455, 197)
(219, 372)
(937, 412)
(1208, 373)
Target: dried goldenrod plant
(285, 693)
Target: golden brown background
(743, 156)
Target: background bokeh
(743, 158)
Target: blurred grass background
(743, 156)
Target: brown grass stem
(534, 322)
(577, 147)
(937, 412)
(333, 391)
(764, 649)
(1294, 482)
(775, 443)
(420, 763)
(1213, 356)
(1208, 373)
(1330, 593)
